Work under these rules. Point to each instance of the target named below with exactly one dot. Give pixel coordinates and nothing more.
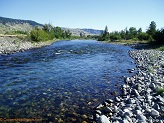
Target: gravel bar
(10, 45)
(139, 101)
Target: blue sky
(96, 14)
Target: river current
(62, 82)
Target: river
(63, 81)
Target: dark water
(61, 82)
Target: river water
(63, 81)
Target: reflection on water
(61, 82)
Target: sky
(95, 14)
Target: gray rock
(116, 121)
(115, 109)
(148, 110)
(132, 101)
(125, 121)
(154, 113)
(127, 112)
(138, 112)
(141, 117)
(148, 97)
(103, 119)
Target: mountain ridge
(5, 20)
(10, 24)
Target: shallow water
(63, 81)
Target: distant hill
(8, 25)
(5, 21)
(77, 31)
(93, 31)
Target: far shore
(10, 44)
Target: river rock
(118, 99)
(141, 117)
(103, 119)
(154, 113)
(139, 102)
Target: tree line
(48, 32)
(151, 34)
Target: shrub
(160, 90)
(39, 35)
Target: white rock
(103, 119)
(125, 121)
(137, 112)
(99, 106)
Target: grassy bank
(145, 44)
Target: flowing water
(63, 81)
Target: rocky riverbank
(10, 45)
(139, 102)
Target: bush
(143, 36)
(39, 35)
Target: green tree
(152, 29)
(39, 35)
(139, 31)
(67, 34)
(105, 35)
(48, 28)
(123, 34)
(143, 36)
(132, 33)
(58, 32)
(115, 36)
